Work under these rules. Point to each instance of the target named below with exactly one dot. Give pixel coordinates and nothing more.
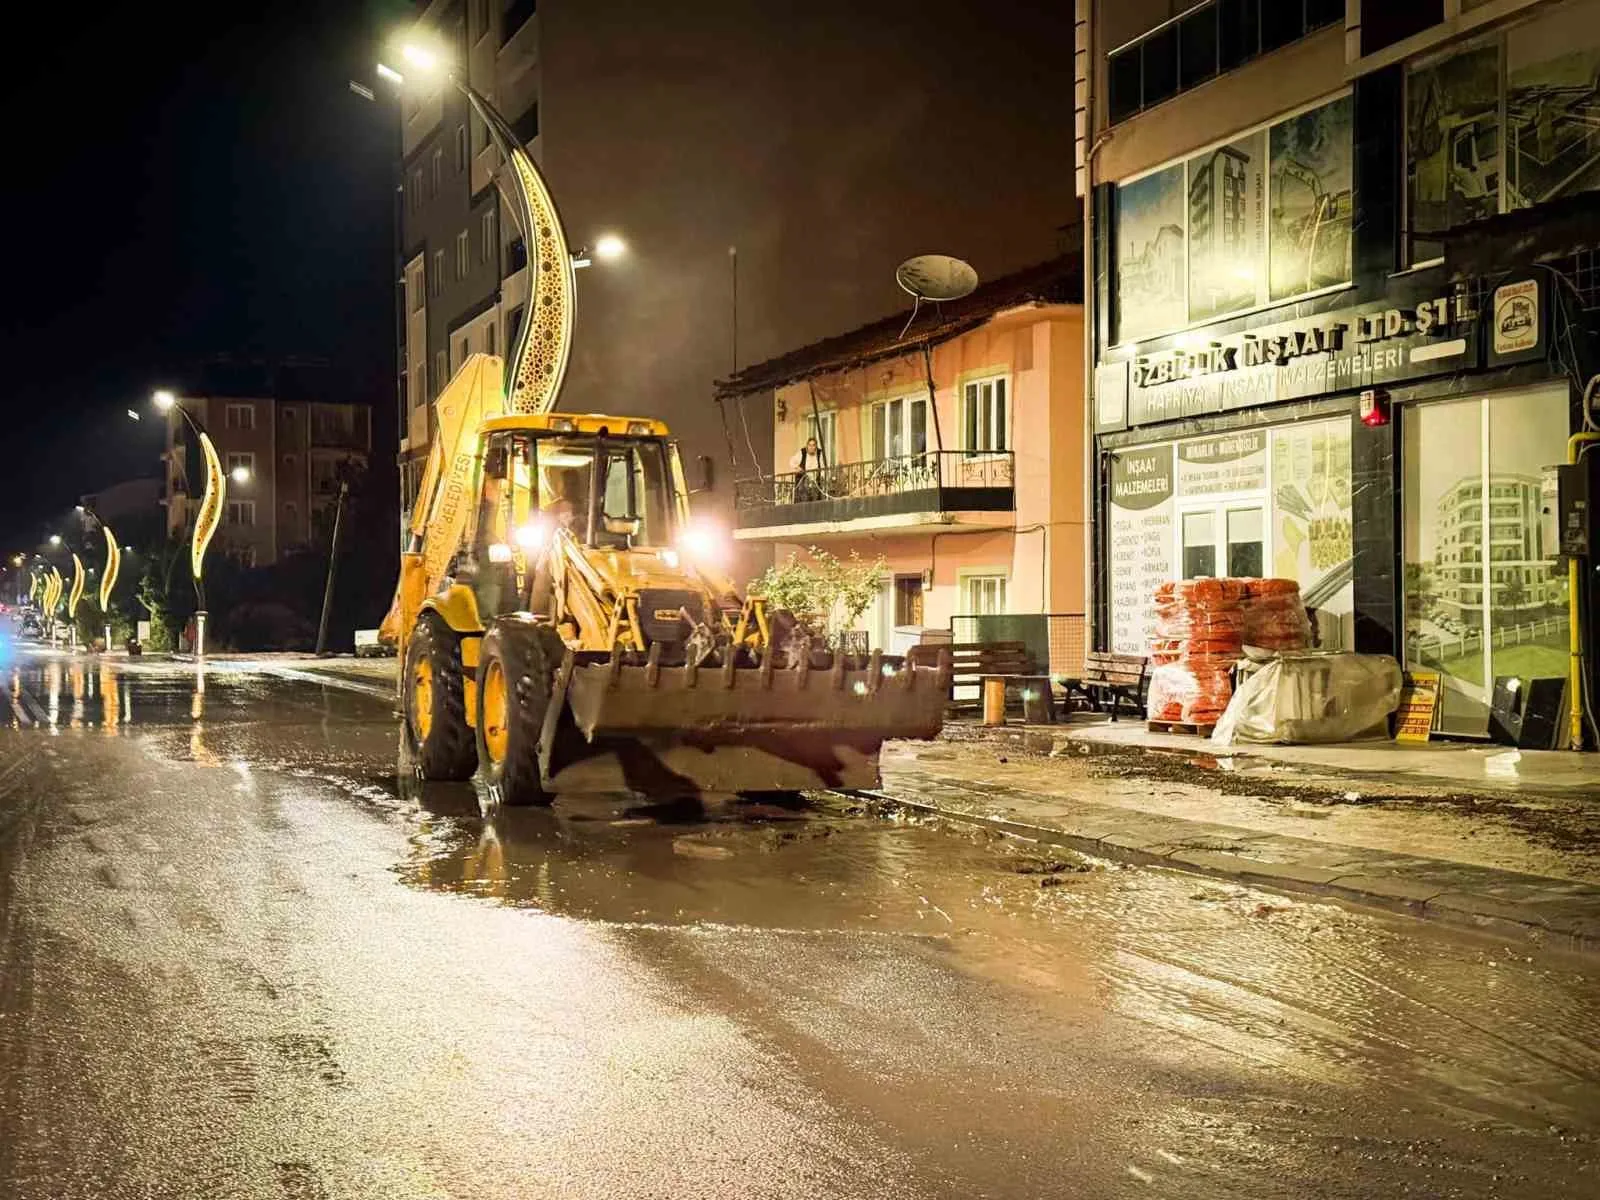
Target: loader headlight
(670, 558)
(705, 544)
(533, 535)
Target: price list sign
(1141, 542)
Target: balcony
(885, 493)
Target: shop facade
(1291, 378)
(1405, 477)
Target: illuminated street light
(209, 514)
(417, 56)
(133, 414)
(240, 474)
(389, 73)
(55, 539)
(610, 247)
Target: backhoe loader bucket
(728, 727)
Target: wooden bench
(971, 662)
(1111, 680)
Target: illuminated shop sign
(1302, 358)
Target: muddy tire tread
(531, 655)
(451, 751)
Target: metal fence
(1058, 641)
(1432, 651)
(930, 471)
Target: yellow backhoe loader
(566, 626)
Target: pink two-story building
(952, 447)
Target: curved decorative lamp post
(108, 577)
(73, 597)
(210, 514)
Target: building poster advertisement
(1229, 462)
(1295, 477)
(1151, 296)
(1227, 234)
(1312, 533)
(1141, 542)
(1312, 180)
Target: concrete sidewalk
(1437, 832)
(1468, 765)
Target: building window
(239, 416)
(246, 460)
(242, 512)
(463, 256)
(513, 327)
(898, 427)
(526, 127)
(465, 350)
(908, 600)
(1498, 125)
(461, 147)
(984, 420)
(513, 16)
(489, 227)
(441, 369)
(983, 595)
(1205, 41)
(437, 176)
(419, 387)
(488, 338)
(438, 272)
(416, 189)
(415, 289)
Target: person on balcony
(807, 464)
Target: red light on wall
(1374, 408)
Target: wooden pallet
(1180, 727)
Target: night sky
(218, 189)
(225, 192)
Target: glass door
(1483, 592)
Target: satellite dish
(936, 277)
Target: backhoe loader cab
(586, 637)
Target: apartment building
(1345, 290)
(951, 444)
(293, 446)
(462, 287)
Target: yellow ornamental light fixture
(108, 579)
(77, 588)
(52, 592)
(205, 524)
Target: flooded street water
(244, 953)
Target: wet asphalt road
(242, 955)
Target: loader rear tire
(516, 673)
(435, 703)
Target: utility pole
(333, 566)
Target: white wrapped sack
(1310, 698)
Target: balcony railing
(947, 480)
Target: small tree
(827, 594)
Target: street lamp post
(108, 577)
(210, 514)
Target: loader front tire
(516, 673)
(435, 703)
